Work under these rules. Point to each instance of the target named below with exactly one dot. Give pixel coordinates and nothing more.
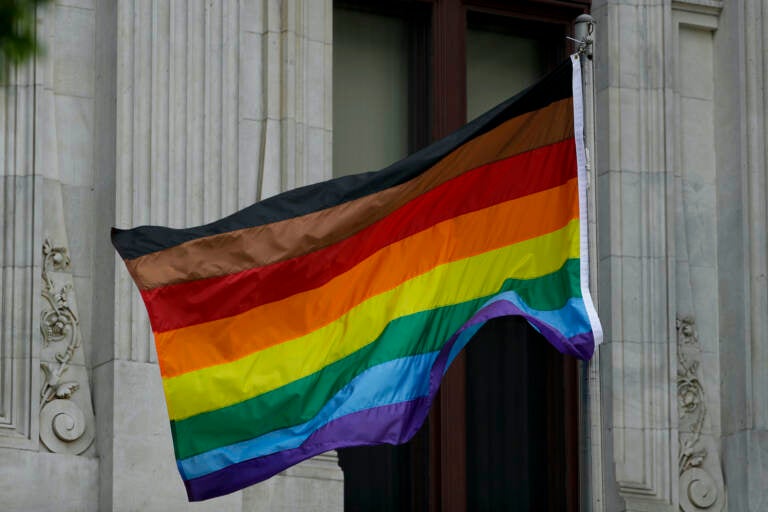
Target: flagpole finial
(584, 26)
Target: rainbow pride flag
(326, 316)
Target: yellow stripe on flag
(230, 383)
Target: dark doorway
(520, 434)
(517, 456)
(503, 431)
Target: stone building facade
(177, 113)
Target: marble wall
(217, 104)
(47, 180)
(177, 113)
(145, 111)
(741, 81)
(682, 254)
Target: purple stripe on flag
(581, 345)
(393, 424)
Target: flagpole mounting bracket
(584, 27)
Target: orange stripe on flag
(212, 343)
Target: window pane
(370, 91)
(512, 395)
(500, 65)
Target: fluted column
(636, 250)
(741, 86)
(670, 233)
(20, 259)
(217, 104)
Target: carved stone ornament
(64, 427)
(699, 489)
(57, 320)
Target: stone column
(638, 361)
(691, 111)
(671, 239)
(47, 177)
(741, 109)
(206, 107)
(20, 259)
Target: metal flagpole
(591, 475)
(584, 31)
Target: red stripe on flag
(184, 304)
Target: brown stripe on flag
(233, 252)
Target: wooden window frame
(443, 77)
(447, 425)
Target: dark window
(503, 432)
